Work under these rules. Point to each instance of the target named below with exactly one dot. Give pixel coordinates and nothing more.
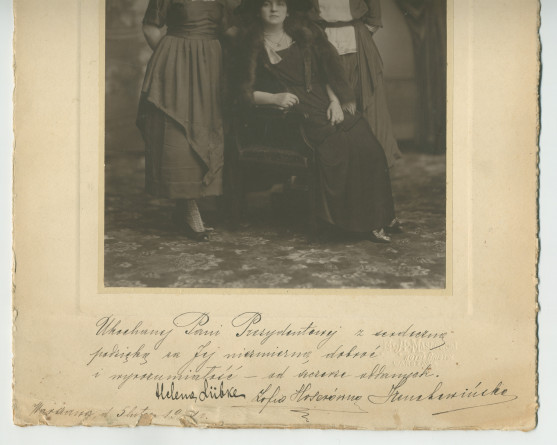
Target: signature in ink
(209, 392)
(491, 395)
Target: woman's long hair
(249, 46)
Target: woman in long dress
(286, 62)
(180, 113)
(350, 26)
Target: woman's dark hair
(249, 9)
(250, 18)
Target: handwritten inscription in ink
(193, 365)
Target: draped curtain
(427, 22)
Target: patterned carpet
(270, 249)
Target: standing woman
(180, 111)
(350, 25)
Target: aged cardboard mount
(461, 358)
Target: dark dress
(354, 184)
(180, 108)
(365, 70)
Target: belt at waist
(194, 34)
(339, 24)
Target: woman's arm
(332, 96)
(281, 100)
(349, 107)
(372, 18)
(153, 35)
(334, 111)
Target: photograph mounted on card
(292, 214)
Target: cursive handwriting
(200, 358)
(479, 391)
(353, 352)
(304, 394)
(195, 321)
(407, 333)
(280, 354)
(208, 373)
(124, 356)
(269, 395)
(209, 392)
(246, 320)
(379, 372)
(111, 326)
(173, 394)
(215, 393)
(301, 367)
(41, 409)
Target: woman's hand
(349, 108)
(153, 35)
(232, 32)
(372, 28)
(335, 113)
(285, 100)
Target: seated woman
(287, 62)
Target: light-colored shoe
(379, 236)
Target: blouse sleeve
(227, 20)
(373, 15)
(156, 13)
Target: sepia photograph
(276, 144)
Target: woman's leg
(188, 218)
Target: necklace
(275, 43)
